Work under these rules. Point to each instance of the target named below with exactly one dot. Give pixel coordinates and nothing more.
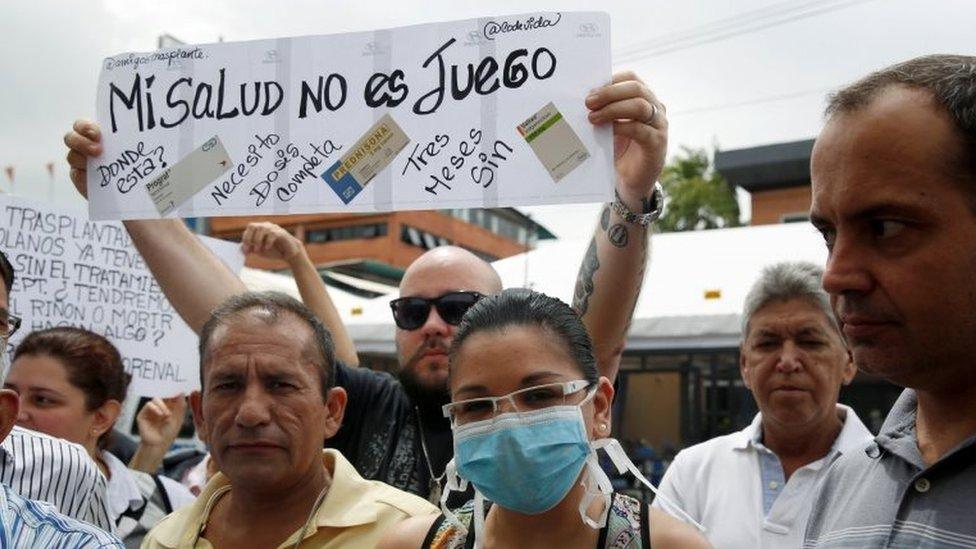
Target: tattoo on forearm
(640, 279)
(617, 235)
(584, 282)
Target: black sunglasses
(411, 313)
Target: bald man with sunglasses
(393, 429)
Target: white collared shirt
(123, 490)
(720, 484)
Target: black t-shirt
(380, 433)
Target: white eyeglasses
(523, 400)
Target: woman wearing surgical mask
(72, 384)
(529, 410)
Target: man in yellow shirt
(266, 405)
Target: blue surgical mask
(524, 461)
(528, 461)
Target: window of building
(797, 217)
(421, 239)
(510, 230)
(501, 225)
(709, 398)
(353, 232)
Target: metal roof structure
(768, 167)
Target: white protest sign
(477, 113)
(69, 271)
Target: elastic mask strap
(623, 463)
(603, 488)
(452, 483)
(596, 484)
(453, 480)
(589, 396)
(479, 519)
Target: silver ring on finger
(650, 119)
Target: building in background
(679, 380)
(776, 176)
(378, 247)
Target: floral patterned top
(627, 527)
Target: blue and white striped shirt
(28, 523)
(45, 468)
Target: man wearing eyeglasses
(40, 467)
(393, 429)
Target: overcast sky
(762, 85)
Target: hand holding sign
(83, 141)
(640, 133)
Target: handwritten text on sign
(73, 272)
(421, 117)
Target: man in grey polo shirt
(894, 194)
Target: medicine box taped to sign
(69, 271)
(477, 113)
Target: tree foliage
(698, 197)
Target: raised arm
(612, 272)
(271, 241)
(192, 277)
(194, 280)
(159, 424)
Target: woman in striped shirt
(72, 383)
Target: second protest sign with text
(69, 271)
(478, 113)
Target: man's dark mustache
(427, 345)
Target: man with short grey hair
(894, 195)
(755, 487)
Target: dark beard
(428, 400)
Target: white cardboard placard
(69, 271)
(287, 110)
